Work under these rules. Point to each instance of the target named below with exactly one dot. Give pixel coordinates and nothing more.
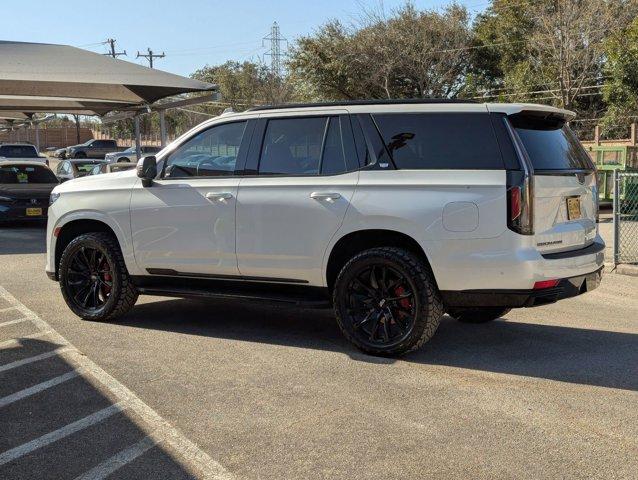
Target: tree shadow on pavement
(575, 355)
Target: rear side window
(302, 146)
(550, 145)
(440, 140)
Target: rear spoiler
(532, 110)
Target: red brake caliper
(404, 302)
(106, 277)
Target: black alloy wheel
(386, 301)
(93, 277)
(89, 278)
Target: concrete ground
(266, 392)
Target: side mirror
(147, 169)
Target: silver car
(129, 155)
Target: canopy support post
(37, 136)
(162, 122)
(138, 138)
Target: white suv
(392, 212)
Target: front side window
(440, 140)
(302, 146)
(210, 153)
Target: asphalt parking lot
(193, 389)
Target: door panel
(175, 226)
(282, 231)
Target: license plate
(573, 208)
(34, 212)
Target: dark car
(25, 188)
(74, 168)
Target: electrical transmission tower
(150, 56)
(113, 53)
(275, 52)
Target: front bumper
(566, 288)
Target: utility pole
(150, 56)
(113, 53)
(276, 41)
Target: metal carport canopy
(62, 71)
(41, 77)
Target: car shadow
(575, 355)
(23, 237)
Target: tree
(621, 89)
(548, 50)
(411, 53)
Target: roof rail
(362, 102)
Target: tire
(409, 306)
(478, 315)
(106, 302)
(122, 160)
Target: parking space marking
(16, 341)
(60, 433)
(118, 460)
(190, 455)
(27, 392)
(35, 358)
(13, 322)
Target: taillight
(515, 203)
(545, 284)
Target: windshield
(18, 151)
(551, 144)
(84, 168)
(12, 174)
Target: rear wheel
(386, 301)
(478, 315)
(93, 277)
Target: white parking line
(60, 433)
(27, 392)
(13, 322)
(118, 460)
(185, 452)
(35, 358)
(16, 341)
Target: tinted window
(18, 151)
(550, 145)
(360, 141)
(292, 146)
(212, 152)
(440, 140)
(333, 160)
(26, 174)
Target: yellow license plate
(34, 212)
(573, 208)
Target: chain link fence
(625, 217)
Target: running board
(301, 296)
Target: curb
(622, 269)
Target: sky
(192, 33)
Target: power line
(150, 56)
(113, 53)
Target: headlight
(53, 197)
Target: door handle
(328, 197)
(219, 197)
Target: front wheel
(386, 301)
(93, 278)
(478, 315)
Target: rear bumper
(566, 288)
